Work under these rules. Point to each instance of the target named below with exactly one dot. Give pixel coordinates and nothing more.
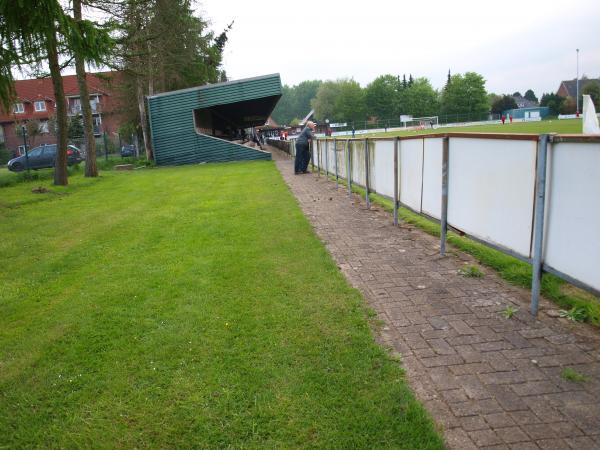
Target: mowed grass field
(186, 307)
(567, 126)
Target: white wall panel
(383, 173)
(358, 162)
(330, 161)
(411, 170)
(432, 177)
(572, 237)
(491, 190)
(341, 158)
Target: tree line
(157, 45)
(388, 96)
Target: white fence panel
(432, 177)
(383, 173)
(358, 162)
(411, 172)
(330, 157)
(491, 190)
(341, 159)
(572, 239)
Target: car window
(50, 150)
(35, 152)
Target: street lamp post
(577, 83)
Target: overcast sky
(515, 45)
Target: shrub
(4, 154)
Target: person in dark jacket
(303, 148)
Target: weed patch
(570, 374)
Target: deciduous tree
(324, 103)
(530, 95)
(592, 88)
(419, 99)
(165, 46)
(295, 101)
(553, 102)
(381, 96)
(503, 103)
(465, 95)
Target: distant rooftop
(568, 88)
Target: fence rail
(533, 197)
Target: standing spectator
(303, 149)
(510, 118)
(256, 137)
(503, 119)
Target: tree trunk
(91, 170)
(143, 119)
(60, 166)
(150, 69)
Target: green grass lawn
(186, 307)
(567, 126)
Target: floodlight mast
(577, 83)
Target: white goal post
(421, 123)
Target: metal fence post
(336, 163)
(444, 218)
(538, 231)
(396, 141)
(105, 146)
(326, 158)
(349, 167)
(367, 173)
(318, 158)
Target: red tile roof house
(568, 88)
(35, 100)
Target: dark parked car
(127, 150)
(43, 157)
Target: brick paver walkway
(488, 381)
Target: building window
(95, 104)
(1, 134)
(19, 108)
(21, 150)
(76, 108)
(43, 128)
(97, 124)
(39, 105)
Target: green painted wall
(171, 115)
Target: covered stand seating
(207, 123)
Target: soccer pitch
(568, 126)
